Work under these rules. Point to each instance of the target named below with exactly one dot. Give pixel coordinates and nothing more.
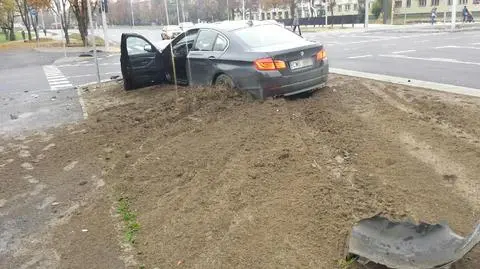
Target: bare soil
(220, 181)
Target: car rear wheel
(225, 81)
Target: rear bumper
(275, 84)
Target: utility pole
(43, 22)
(326, 12)
(178, 14)
(64, 38)
(131, 10)
(405, 14)
(445, 12)
(391, 13)
(104, 24)
(454, 15)
(89, 10)
(228, 12)
(243, 9)
(166, 12)
(366, 14)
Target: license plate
(301, 63)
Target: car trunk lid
(299, 58)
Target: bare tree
(62, 8)
(79, 8)
(7, 19)
(23, 11)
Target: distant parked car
(171, 31)
(263, 59)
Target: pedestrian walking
(465, 13)
(434, 15)
(296, 24)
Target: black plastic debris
(407, 245)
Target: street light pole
(89, 10)
(178, 14)
(131, 10)
(166, 12)
(104, 25)
(366, 14)
(454, 14)
(326, 13)
(228, 12)
(243, 9)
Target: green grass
(348, 262)
(130, 219)
(76, 39)
(18, 35)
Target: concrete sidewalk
(408, 28)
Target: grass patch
(18, 36)
(130, 219)
(348, 262)
(76, 40)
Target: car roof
(229, 26)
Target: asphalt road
(449, 58)
(27, 102)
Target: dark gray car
(262, 58)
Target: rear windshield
(267, 35)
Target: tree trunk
(5, 33)
(12, 27)
(27, 19)
(34, 20)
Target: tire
(225, 81)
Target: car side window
(180, 46)
(220, 44)
(136, 45)
(205, 40)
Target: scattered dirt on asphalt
(217, 180)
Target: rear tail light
(321, 55)
(267, 64)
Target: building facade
(307, 9)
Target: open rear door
(141, 62)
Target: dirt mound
(217, 180)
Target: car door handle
(211, 58)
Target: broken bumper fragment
(405, 245)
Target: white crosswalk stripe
(56, 79)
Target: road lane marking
(360, 56)
(458, 47)
(403, 51)
(445, 60)
(55, 78)
(410, 82)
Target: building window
(422, 3)
(398, 4)
(286, 14)
(450, 2)
(409, 3)
(355, 7)
(435, 2)
(268, 16)
(463, 2)
(347, 7)
(280, 15)
(274, 15)
(339, 8)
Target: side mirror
(148, 48)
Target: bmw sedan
(261, 58)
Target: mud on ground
(220, 181)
